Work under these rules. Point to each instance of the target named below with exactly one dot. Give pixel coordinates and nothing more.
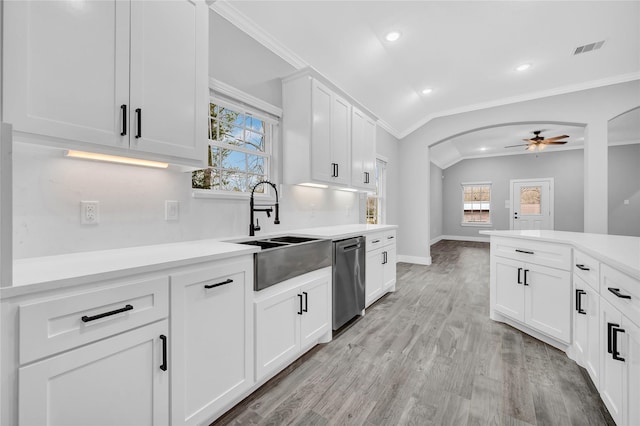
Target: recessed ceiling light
(523, 67)
(484, 148)
(427, 91)
(392, 36)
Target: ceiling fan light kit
(540, 142)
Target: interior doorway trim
(512, 199)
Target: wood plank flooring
(428, 354)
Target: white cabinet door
(66, 69)
(373, 276)
(277, 331)
(548, 300)
(169, 68)
(389, 267)
(114, 381)
(211, 321)
(509, 288)
(322, 168)
(632, 359)
(363, 155)
(612, 371)
(316, 312)
(586, 328)
(341, 140)
(369, 153)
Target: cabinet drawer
(587, 268)
(56, 325)
(379, 239)
(627, 299)
(540, 253)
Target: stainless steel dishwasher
(348, 279)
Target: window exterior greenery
(239, 151)
(476, 203)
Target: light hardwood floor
(428, 354)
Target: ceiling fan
(540, 142)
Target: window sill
(479, 225)
(240, 196)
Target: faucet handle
(257, 227)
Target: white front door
(531, 204)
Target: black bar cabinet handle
(306, 300)
(163, 366)
(300, 299)
(106, 314)
(610, 325)
(519, 279)
(375, 241)
(334, 173)
(579, 294)
(524, 251)
(123, 108)
(337, 170)
(390, 237)
(582, 267)
(616, 291)
(526, 271)
(614, 344)
(139, 117)
(366, 177)
(227, 281)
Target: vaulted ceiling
(465, 51)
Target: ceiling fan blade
(548, 142)
(513, 146)
(557, 138)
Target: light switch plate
(171, 210)
(507, 204)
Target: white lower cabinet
(380, 269)
(212, 347)
(586, 328)
(290, 317)
(535, 295)
(121, 380)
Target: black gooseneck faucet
(253, 228)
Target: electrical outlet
(171, 210)
(89, 212)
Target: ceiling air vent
(588, 47)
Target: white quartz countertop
(620, 252)
(42, 273)
(32, 275)
(341, 231)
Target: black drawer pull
(300, 298)
(390, 237)
(375, 241)
(163, 366)
(123, 107)
(616, 291)
(106, 314)
(582, 267)
(139, 116)
(227, 281)
(306, 300)
(579, 294)
(524, 251)
(519, 279)
(526, 271)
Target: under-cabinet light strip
(115, 159)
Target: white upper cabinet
(318, 136)
(94, 75)
(363, 151)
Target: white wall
(566, 167)
(387, 147)
(624, 184)
(592, 108)
(436, 202)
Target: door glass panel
(530, 200)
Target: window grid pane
(476, 204)
(238, 154)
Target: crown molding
(623, 78)
(227, 90)
(233, 15)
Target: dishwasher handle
(352, 247)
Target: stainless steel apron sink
(282, 258)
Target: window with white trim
(239, 154)
(376, 202)
(476, 204)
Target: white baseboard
(460, 238)
(415, 259)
